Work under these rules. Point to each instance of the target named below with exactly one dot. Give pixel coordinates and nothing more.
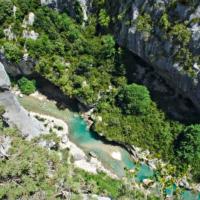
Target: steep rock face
(158, 47)
(69, 5)
(25, 66)
(15, 115)
(4, 80)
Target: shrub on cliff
(181, 33)
(144, 23)
(164, 22)
(26, 86)
(12, 52)
(134, 99)
(189, 145)
(104, 18)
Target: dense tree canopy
(5, 10)
(188, 149)
(71, 56)
(26, 86)
(134, 99)
(189, 145)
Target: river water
(91, 142)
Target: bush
(181, 32)
(104, 18)
(26, 86)
(188, 148)
(108, 47)
(12, 52)
(144, 23)
(134, 99)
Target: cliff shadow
(174, 104)
(52, 92)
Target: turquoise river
(91, 142)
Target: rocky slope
(15, 115)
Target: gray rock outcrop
(69, 5)
(5, 144)
(4, 79)
(24, 67)
(15, 115)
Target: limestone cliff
(155, 31)
(70, 5)
(164, 33)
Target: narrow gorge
(99, 99)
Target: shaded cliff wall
(157, 46)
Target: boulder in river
(92, 154)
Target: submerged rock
(92, 154)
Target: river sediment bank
(90, 143)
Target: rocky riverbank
(38, 124)
(165, 171)
(81, 160)
(60, 127)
